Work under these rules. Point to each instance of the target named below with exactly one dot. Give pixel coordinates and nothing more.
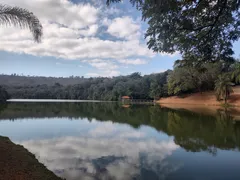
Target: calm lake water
(106, 141)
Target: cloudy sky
(81, 38)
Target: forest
(183, 79)
(109, 89)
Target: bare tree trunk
(226, 95)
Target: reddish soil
(16, 163)
(205, 98)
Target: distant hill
(16, 80)
(99, 88)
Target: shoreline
(17, 163)
(203, 99)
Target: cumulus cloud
(72, 31)
(106, 73)
(92, 75)
(60, 11)
(133, 61)
(106, 67)
(69, 33)
(124, 27)
(102, 64)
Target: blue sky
(82, 38)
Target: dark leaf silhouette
(22, 18)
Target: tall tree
(236, 72)
(21, 18)
(204, 28)
(3, 95)
(223, 87)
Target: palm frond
(21, 18)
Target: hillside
(16, 80)
(205, 98)
(99, 88)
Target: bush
(3, 95)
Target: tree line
(100, 88)
(189, 76)
(186, 77)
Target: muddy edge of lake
(17, 163)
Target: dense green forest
(194, 132)
(186, 77)
(134, 85)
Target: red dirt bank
(205, 98)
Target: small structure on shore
(126, 99)
(130, 100)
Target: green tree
(223, 87)
(183, 80)
(3, 95)
(204, 28)
(155, 90)
(22, 18)
(236, 72)
(188, 77)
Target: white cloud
(133, 61)
(65, 43)
(102, 64)
(108, 68)
(72, 32)
(112, 73)
(91, 31)
(61, 11)
(106, 73)
(92, 75)
(74, 40)
(106, 21)
(124, 27)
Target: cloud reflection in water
(127, 154)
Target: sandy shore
(17, 163)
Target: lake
(108, 141)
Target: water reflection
(108, 141)
(194, 132)
(111, 158)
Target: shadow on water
(193, 132)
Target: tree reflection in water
(193, 132)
